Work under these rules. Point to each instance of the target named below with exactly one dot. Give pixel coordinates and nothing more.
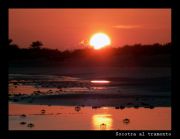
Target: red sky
(66, 28)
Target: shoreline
(95, 100)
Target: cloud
(126, 26)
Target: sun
(99, 40)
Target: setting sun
(99, 40)
(91, 69)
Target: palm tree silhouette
(36, 45)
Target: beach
(82, 102)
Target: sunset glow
(63, 29)
(90, 69)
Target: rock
(103, 126)
(126, 121)
(23, 115)
(30, 125)
(77, 108)
(43, 111)
(22, 123)
(122, 107)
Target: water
(93, 99)
(105, 118)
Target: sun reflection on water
(100, 81)
(102, 121)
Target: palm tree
(36, 45)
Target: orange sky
(66, 28)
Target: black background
(6, 4)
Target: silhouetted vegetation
(36, 45)
(134, 55)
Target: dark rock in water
(136, 107)
(36, 92)
(103, 126)
(30, 125)
(122, 107)
(22, 123)
(150, 107)
(50, 91)
(95, 107)
(57, 92)
(60, 90)
(77, 108)
(23, 115)
(43, 111)
(126, 121)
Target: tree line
(136, 52)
